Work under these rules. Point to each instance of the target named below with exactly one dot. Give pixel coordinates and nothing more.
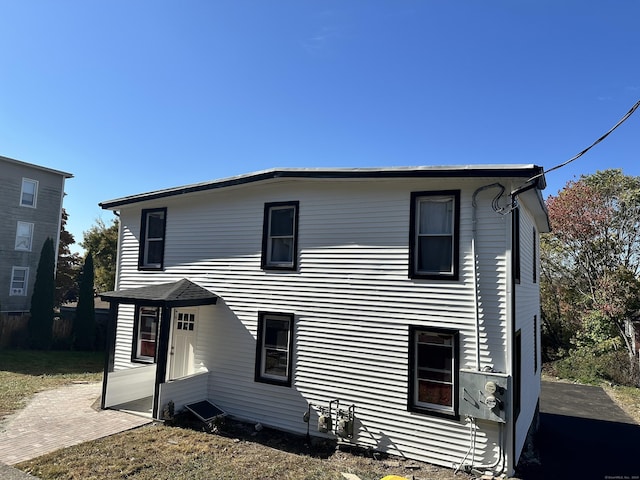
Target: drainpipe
(476, 282)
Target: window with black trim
(517, 374)
(433, 371)
(280, 236)
(152, 237)
(145, 334)
(516, 244)
(535, 255)
(434, 235)
(274, 351)
(29, 193)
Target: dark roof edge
(525, 171)
(38, 167)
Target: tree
(68, 268)
(41, 320)
(591, 260)
(85, 319)
(102, 241)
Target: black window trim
(136, 331)
(411, 406)
(265, 262)
(143, 232)
(516, 245)
(262, 317)
(413, 247)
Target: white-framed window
(274, 352)
(434, 242)
(280, 236)
(433, 357)
(146, 334)
(152, 233)
(29, 193)
(19, 279)
(24, 236)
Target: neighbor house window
(152, 236)
(434, 231)
(24, 236)
(280, 236)
(433, 371)
(274, 350)
(29, 193)
(19, 278)
(146, 334)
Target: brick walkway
(60, 418)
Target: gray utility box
(484, 395)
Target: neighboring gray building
(30, 212)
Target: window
(516, 244)
(274, 350)
(434, 242)
(152, 234)
(280, 236)
(535, 344)
(517, 374)
(535, 255)
(19, 279)
(24, 236)
(145, 334)
(433, 371)
(29, 194)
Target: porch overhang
(183, 293)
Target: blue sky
(133, 96)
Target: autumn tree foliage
(591, 262)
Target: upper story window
(24, 236)
(516, 244)
(152, 236)
(433, 367)
(19, 279)
(274, 350)
(280, 236)
(434, 232)
(29, 193)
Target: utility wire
(620, 122)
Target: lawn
(162, 452)
(26, 372)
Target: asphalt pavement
(584, 435)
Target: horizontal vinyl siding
(351, 296)
(527, 306)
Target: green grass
(26, 372)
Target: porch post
(162, 357)
(110, 348)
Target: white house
(401, 303)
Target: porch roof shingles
(182, 293)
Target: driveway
(584, 435)
(59, 418)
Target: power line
(575, 157)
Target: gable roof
(522, 171)
(37, 167)
(182, 293)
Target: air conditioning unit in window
(17, 291)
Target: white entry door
(183, 342)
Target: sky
(135, 96)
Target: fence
(14, 331)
